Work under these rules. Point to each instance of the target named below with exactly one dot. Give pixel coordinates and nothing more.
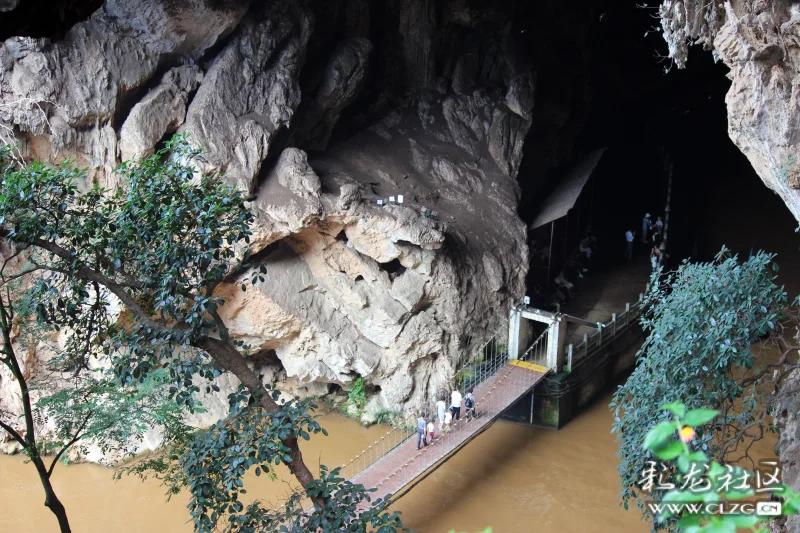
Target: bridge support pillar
(513, 333)
(555, 343)
(557, 334)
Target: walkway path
(403, 467)
(394, 470)
(605, 290)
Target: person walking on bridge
(469, 403)
(422, 426)
(441, 410)
(455, 404)
(629, 236)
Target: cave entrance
(654, 122)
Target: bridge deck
(401, 468)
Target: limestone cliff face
(788, 447)
(319, 109)
(760, 42)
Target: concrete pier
(599, 297)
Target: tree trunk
(231, 360)
(55, 505)
(29, 441)
(51, 501)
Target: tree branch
(16, 436)
(75, 439)
(89, 274)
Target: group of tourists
(652, 234)
(426, 430)
(576, 265)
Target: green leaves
(701, 496)
(339, 506)
(131, 275)
(698, 417)
(700, 322)
(677, 408)
(670, 450)
(357, 396)
(658, 435)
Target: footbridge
(502, 370)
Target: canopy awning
(569, 188)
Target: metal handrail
(482, 366)
(421, 461)
(605, 332)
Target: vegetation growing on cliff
(701, 323)
(158, 247)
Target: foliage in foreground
(701, 323)
(158, 248)
(682, 462)
(61, 386)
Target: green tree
(701, 322)
(160, 246)
(89, 406)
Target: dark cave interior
(640, 109)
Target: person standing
(441, 409)
(422, 425)
(660, 226)
(470, 405)
(629, 236)
(562, 281)
(455, 404)
(646, 225)
(656, 239)
(663, 255)
(654, 259)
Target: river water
(513, 477)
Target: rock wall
(760, 42)
(788, 447)
(319, 109)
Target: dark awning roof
(566, 193)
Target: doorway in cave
(641, 109)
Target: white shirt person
(455, 404)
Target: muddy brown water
(513, 477)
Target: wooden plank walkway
(403, 467)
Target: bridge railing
(448, 440)
(484, 362)
(605, 333)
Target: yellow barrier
(530, 366)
